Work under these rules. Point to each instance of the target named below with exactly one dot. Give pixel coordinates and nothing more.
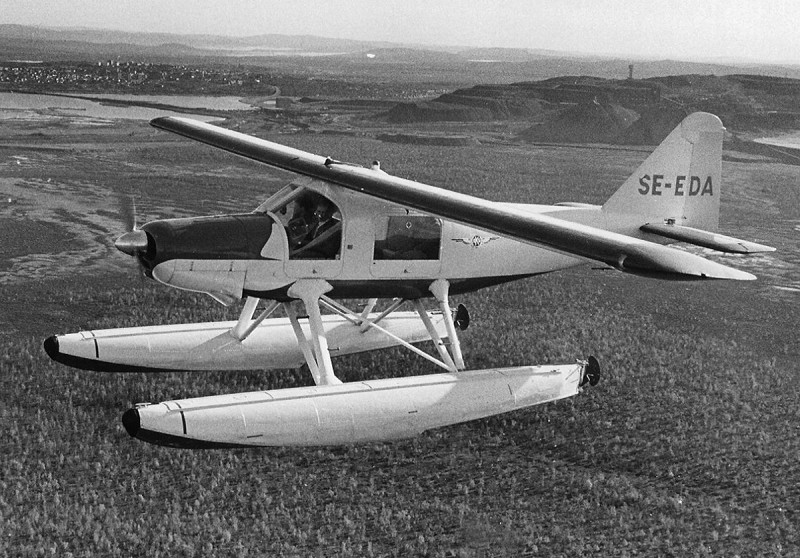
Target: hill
(590, 109)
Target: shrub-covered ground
(687, 447)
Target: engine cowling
(223, 237)
(206, 254)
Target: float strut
(246, 325)
(367, 309)
(441, 290)
(437, 341)
(310, 291)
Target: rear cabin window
(408, 237)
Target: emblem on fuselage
(476, 240)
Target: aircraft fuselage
(374, 249)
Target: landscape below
(687, 447)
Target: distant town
(210, 78)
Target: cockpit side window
(408, 237)
(313, 225)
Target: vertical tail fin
(679, 181)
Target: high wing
(626, 253)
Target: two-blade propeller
(134, 242)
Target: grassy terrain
(687, 447)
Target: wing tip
(159, 121)
(163, 122)
(755, 248)
(714, 270)
(735, 275)
(670, 263)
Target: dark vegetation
(677, 453)
(687, 447)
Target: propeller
(135, 242)
(128, 212)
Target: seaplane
(342, 240)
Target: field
(688, 447)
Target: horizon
(745, 31)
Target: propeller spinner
(132, 243)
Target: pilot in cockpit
(324, 218)
(315, 230)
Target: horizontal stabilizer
(706, 239)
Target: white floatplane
(342, 232)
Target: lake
(228, 102)
(38, 107)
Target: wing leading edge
(623, 252)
